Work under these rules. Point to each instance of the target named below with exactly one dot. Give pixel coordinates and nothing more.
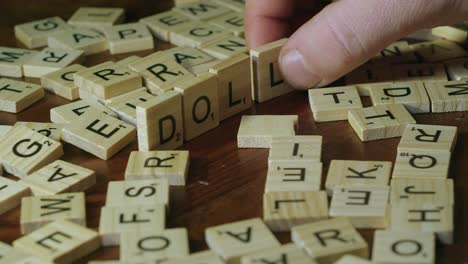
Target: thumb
(347, 33)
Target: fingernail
(296, 72)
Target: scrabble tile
(160, 73)
(332, 104)
(89, 41)
(68, 113)
(19, 257)
(457, 33)
(34, 34)
(59, 242)
(162, 24)
(416, 163)
(37, 212)
(418, 72)
(267, 81)
(15, 96)
(160, 122)
(170, 165)
(154, 245)
(60, 177)
(288, 253)
(329, 240)
(457, 70)
(11, 193)
(407, 190)
(204, 68)
(233, 77)
(293, 175)
(284, 210)
(357, 173)
(203, 257)
(403, 247)
(350, 259)
(238, 5)
(4, 249)
(234, 240)
(125, 105)
(225, 47)
(448, 96)
(97, 17)
(61, 82)
(232, 22)
(257, 131)
(412, 95)
(115, 221)
(202, 10)
(50, 130)
(369, 73)
(295, 148)
(196, 34)
(108, 80)
(439, 50)
(424, 217)
(12, 60)
(379, 122)
(141, 192)
(364, 206)
(24, 151)
(4, 129)
(200, 104)
(398, 52)
(127, 61)
(364, 88)
(129, 38)
(99, 134)
(429, 137)
(187, 56)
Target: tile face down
(34, 34)
(15, 96)
(257, 131)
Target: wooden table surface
(225, 184)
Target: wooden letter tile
(329, 240)
(203, 257)
(416, 163)
(293, 176)
(357, 173)
(115, 221)
(288, 253)
(424, 217)
(457, 70)
(160, 122)
(368, 73)
(99, 134)
(59, 242)
(439, 50)
(50, 130)
(233, 240)
(61, 82)
(418, 72)
(332, 104)
(19, 257)
(37, 212)
(202, 10)
(4, 130)
(350, 259)
(196, 34)
(232, 22)
(170, 165)
(284, 210)
(398, 52)
(96, 17)
(296, 148)
(87, 40)
(187, 56)
(128, 38)
(153, 246)
(12, 60)
(412, 95)
(108, 80)
(11, 193)
(127, 61)
(225, 47)
(34, 34)
(141, 192)
(379, 122)
(68, 113)
(448, 96)
(160, 72)
(429, 137)
(162, 24)
(24, 151)
(234, 93)
(125, 105)
(403, 248)
(457, 33)
(50, 60)
(15, 96)
(364, 206)
(200, 104)
(407, 190)
(60, 177)
(267, 82)
(257, 131)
